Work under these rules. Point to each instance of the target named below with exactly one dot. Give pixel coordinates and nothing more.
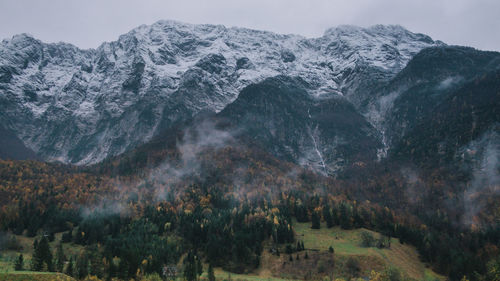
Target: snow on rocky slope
(81, 106)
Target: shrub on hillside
(367, 239)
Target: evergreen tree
(190, 267)
(345, 216)
(45, 253)
(316, 223)
(36, 260)
(199, 266)
(69, 268)
(211, 275)
(60, 258)
(95, 259)
(123, 269)
(19, 263)
(111, 270)
(301, 213)
(42, 256)
(82, 266)
(335, 215)
(328, 217)
(32, 227)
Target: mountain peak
(22, 37)
(374, 30)
(158, 74)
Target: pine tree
(123, 268)
(328, 216)
(199, 266)
(95, 259)
(190, 267)
(345, 216)
(37, 260)
(316, 224)
(19, 263)
(45, 253)
(82, 266)
(211, 275)
(69, 268)
(60, 258)
(42, 256)
(111, 272)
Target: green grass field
(348, 243)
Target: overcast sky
(87, 23)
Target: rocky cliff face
(81, 106)
(280, 114)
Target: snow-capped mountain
(81, 106)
